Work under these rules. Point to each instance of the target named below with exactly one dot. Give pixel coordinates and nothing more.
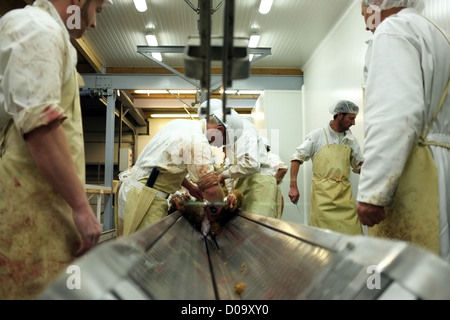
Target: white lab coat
(38, 85)
(407, 68)
(275, 164)
(180, 148)
(247, 154)
(316, 140)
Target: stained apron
(332, 204)
(414, 213)
(280, 202)
(143, 207)
(37, 234)
(259, 194)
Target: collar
(50, 9)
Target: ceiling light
(253, 43)
(152, 42)
(254, 40)
(165, 91)
(173, 115)
(265, 6)
(140, 5)
(243, 92)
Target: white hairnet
(233, 122)
(388, 4)
(344, 106)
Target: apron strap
(326, 136)
(422, 141)
(425, 134)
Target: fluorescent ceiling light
(165, 91)
(265, 6)
(243, 92)
(254, 40)
(173, 115)
(140, 5)
(153, 42)
(253, 43)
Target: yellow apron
(143, 207)
(332, 203)
(37, 232)
(259, 194)
(414, 213)
(280, 202)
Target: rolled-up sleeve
(32, 76)
(304, 152)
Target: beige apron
(332, 203)
(259, 194)
(37, 232)
(280, 202)
(143, 207)
(414, 213)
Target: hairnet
(344, 106)
(388, 4)
(233, 122)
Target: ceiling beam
(173, 82)
(86, 52)
(217, 71)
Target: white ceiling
(292, 29)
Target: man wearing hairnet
(333, 150)
(180, 148)
(45, 216)
(247, 155)
(404, 190)
(277, 170)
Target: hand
(294, 194)
(221, 179)
(369, 214)
(208, 180)
(89, 228)
(195, 191)
(231, 201)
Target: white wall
(278, 116)
(335, 71)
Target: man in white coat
(180, 148)
(247, 155)
(333, 151)
(45, 216)
(277, 170)
(404, 184)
